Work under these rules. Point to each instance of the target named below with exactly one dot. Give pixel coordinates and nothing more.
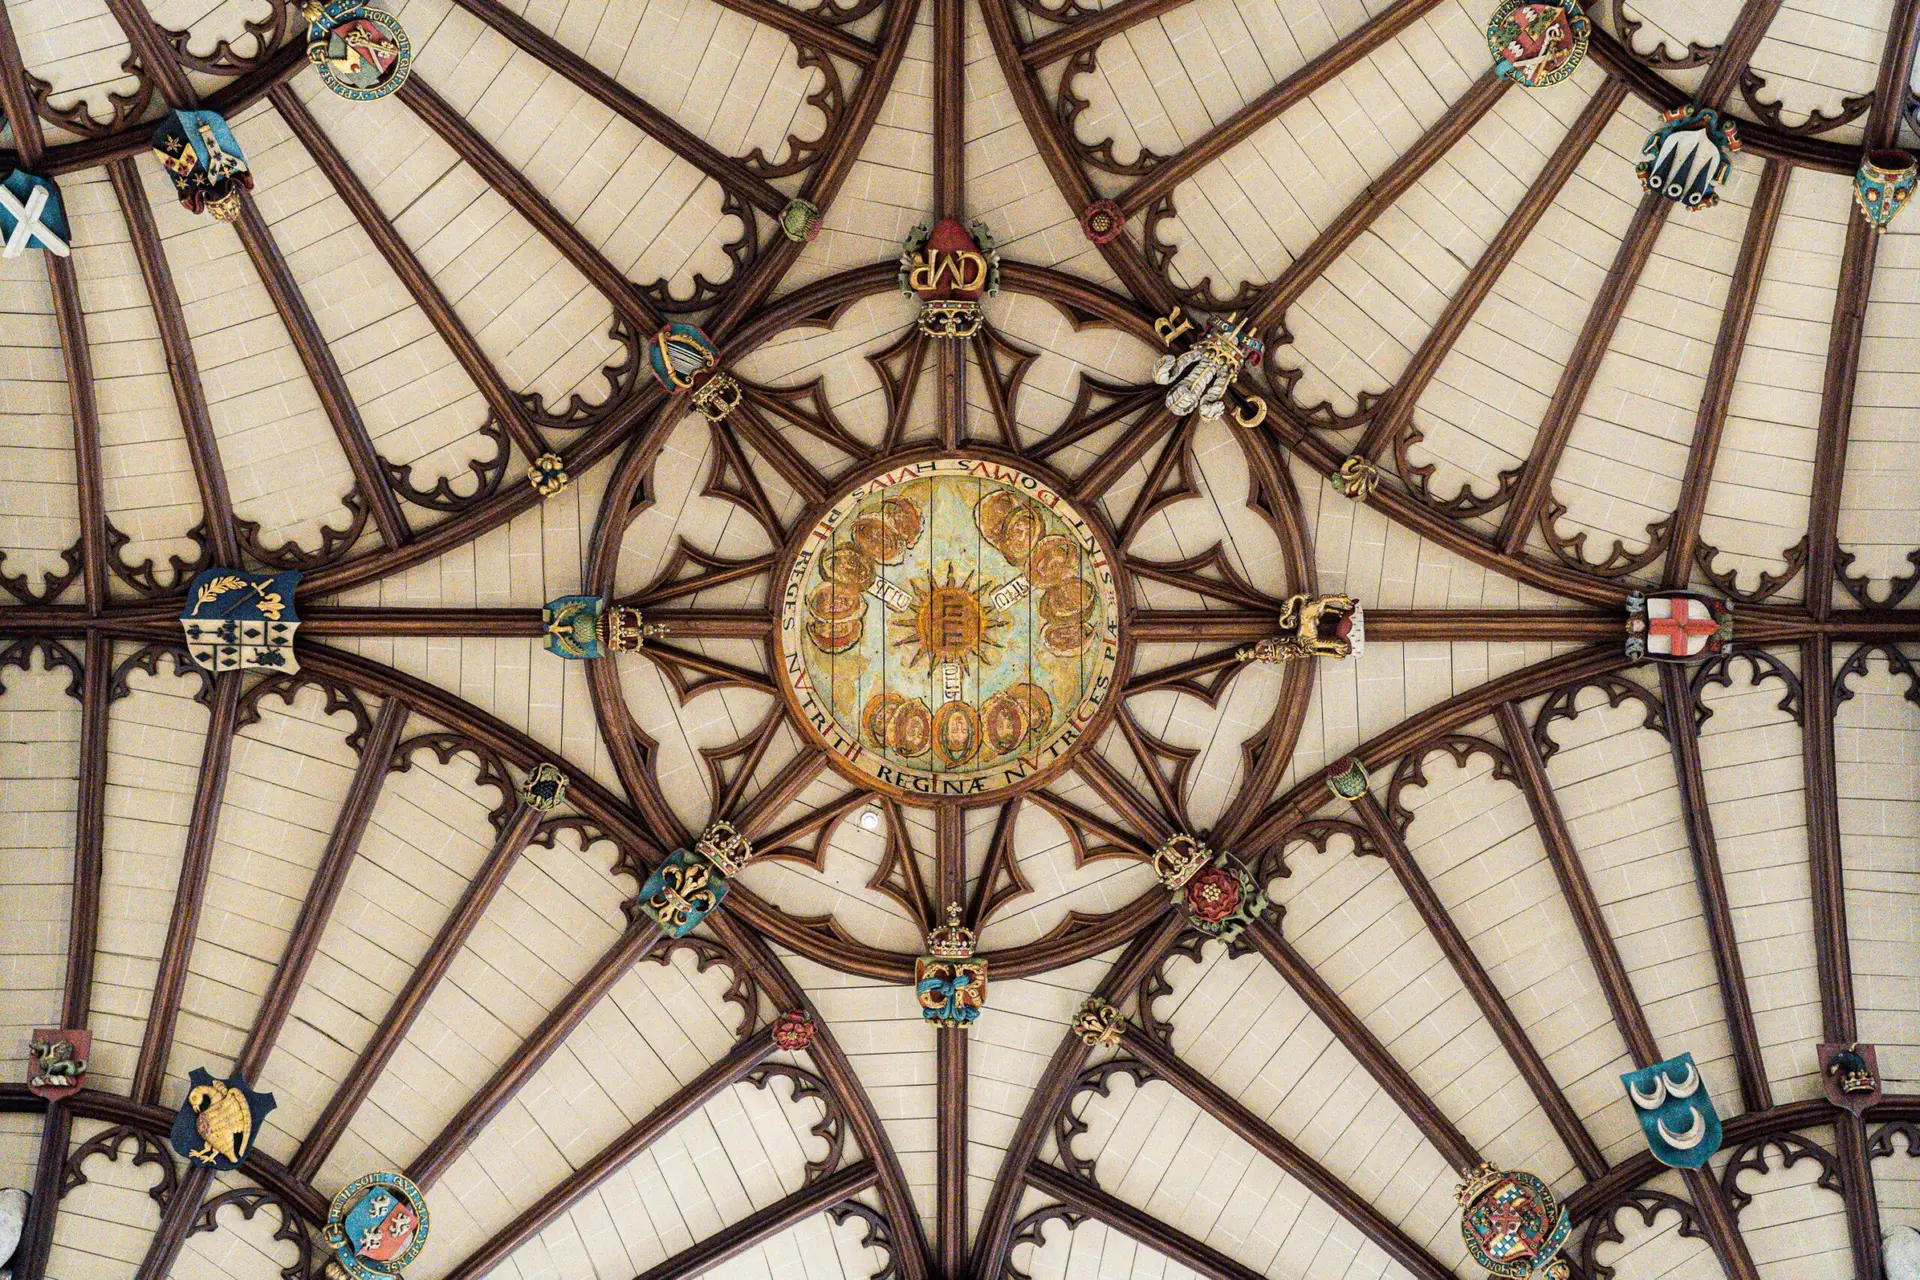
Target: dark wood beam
(1743, 295)
(1086, 33)
(421, 984)
(616, 97)
(1077, 1193)
(90, 807)
(995, 1235)
(171, 980)
(164, 1249)
(764, 1224)
(532, 1053)
(1715, 907)
(156, 55)
(1341, 56)
(1348, 1028)
(806, 29)
(949, 110)
(1474, 977)
(1736, 51)
(500, 398)
(1482, 96)
(183, 370)
(1723, 1232)
(323, 371)
(36, 1233)
(1393, 419)
(950, 1067)
(643, 1133)
(512, 186)
(1576, 378)
(1297, 1164)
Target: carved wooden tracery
(1141, 781)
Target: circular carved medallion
(950, 628)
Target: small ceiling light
(870, 818)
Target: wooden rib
(458, 1133)
(1849, 324)
(1297, 1164)
(1755, 1093)
(1088, 32)
(772, 800)
(996, 1225)
(813, 820)
(1576, 379)
(1347, 1027)
(1723, 1232)
(655, 123)
(156, 55)
(1473, 976)
(421, 984)
(752, 429)
(183, 371)
(500, 398)
(1124, 798)
(1117, 460)
(1179, 673)
(164, 1249)
(643, 1133)
(171, 979)
(949, 181)
(1270, 307)
(1393, 420)
(354, 620)
(805, 29)
(512, 186)
(323, 371)
(1177, 1245)
(1736, 51)
(1743, 295)
(674, 655)
(764, 1224)
(1247, 121)
(36, 1233)
(950, 1068)
(83, 927)
(1221, 626)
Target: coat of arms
(361, 53)
(1201, 378)
(219, 1119)
(32, 214)
(1512, 1224)
(1220, 895)
(950, 268)
(681, 892)
(59, 1063)
(1850, 1074)
(1677, 626)
(376, 1226)
(1537, 43)
(235, 620)
(1678, 1117)
(200, 155)
(590, 627)
(1689, 156)
(950, 982)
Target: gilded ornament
(591, 627)
(725, 848)
(1850, 1074)
(1179, 860)
(219, 1120)
(1103, 221)
(1313, 627)
(949, 981)
(1218, 894)
(1099, 1023)
(59, 1062)
(361, 53)
(682, 891)
(1883, 185)
(1357, 478)
(1201, 378)
(200, 155)
(680, 356)
(1349, 781)
(545, 788)
(376, 1226)
(800, 221)
(236, 620)
(793, 1030)
(717, 397)
(1513, 1225)
(950, 268)
(548, 474)
(1677, 627)
(1537, 43)
(33, 214)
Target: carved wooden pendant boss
(950, 627)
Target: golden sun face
(949, 622)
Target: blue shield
(235, 619)
(32, 215)
(1678, 1117)
(219, 1120)
(681, 892)
(572, 625)
(201, 156)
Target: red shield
(58, 1062)
(1850, 1074)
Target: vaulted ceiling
(1566, 865)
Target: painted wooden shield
(1850, 1073)
(1537, 43)
(219, 1120)
(59, 1060)
(1676, 1114)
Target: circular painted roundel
(949, 628)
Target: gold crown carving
(723, 846)
(952, 940)
(1179, 860)
(717, 397)
(950, 317)
(1478, 1183)
(622, 630)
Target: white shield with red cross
(1680, 626)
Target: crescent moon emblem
(1687, 1086)
(1649, 1101)
(1695, 1134)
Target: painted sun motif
(950, 622)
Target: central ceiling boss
(950, 627)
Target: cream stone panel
(36, 429)
(850, 859)
(878, 1026)
(1617, 788)
(283, 462)
(1752, 763)
(105, 1222)
(1474, 838)
(1659, 1248)
(1795, 1228)
(1896, 1184)
(816, 1249)
(207, 22)
(1238, 1023)
(1757, 503)
(1186, 722)
(1819, 53)
(840, 359)
(147, 480)
(1046, 860)
(1627, 454)
(712, 718)
(426, 838)
(1877, 519)
(77, 47)
(1091, 1249)
(1485, 404)
(38, 767)
(19, 1147)
(155, 739)
(286, 781)
(557, 913)
(1349, 919)
(1876, 738)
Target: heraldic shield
(1678, 1117)
(1512, 1225)
(377, 1225)
(235, 620)
(219, 1120)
